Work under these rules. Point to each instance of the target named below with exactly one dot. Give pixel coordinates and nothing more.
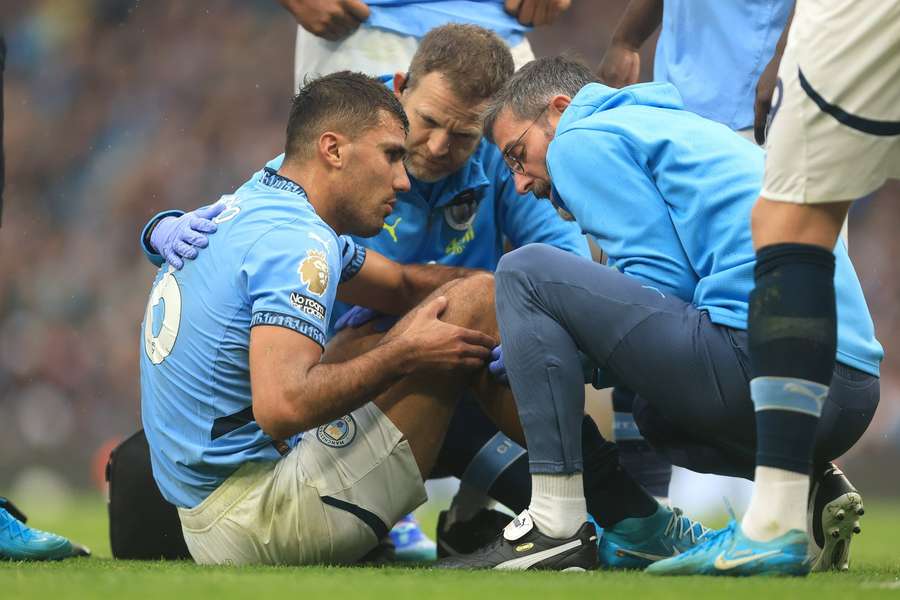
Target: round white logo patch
(162, 318)
(339, 433)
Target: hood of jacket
(595, 98)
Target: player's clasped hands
(441, 346)
(179, 238)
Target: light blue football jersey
(719, 84)
(418, 17)
(273, 262)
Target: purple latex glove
(357, 316)
(496, 366)
(178, 238)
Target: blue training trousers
(690, 375)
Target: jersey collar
(470, 177)
(272, 179)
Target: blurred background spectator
(116, 109)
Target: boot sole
(840, 521)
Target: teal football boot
(729, 552)
(637, 542)
(20, 542)
(410, 542)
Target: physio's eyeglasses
(515, 163)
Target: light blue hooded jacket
(667, 195)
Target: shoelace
(15, 527)
(683, 526)
(714, 539)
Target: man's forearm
(329, 391)
(640, 20)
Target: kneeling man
(667, 194)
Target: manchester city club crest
(338, 433)
(461, 211)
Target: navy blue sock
(792, 329)
(647, 466)
(609, 490)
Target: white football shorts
(328, 501)
(367, 50)
(835, 133)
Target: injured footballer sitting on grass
(447, 85)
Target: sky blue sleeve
(292, 272)
(604, 182)
(530, 220)
(417, 17)
(353, 256)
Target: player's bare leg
(793, 334)
(472, 455)
(491, 466)
(612, 495)
(782, 222)
(833, 139)
(421, 406)
(471, 305)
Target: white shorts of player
(849, 54)
(274, 513)
(367, 50)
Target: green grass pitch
(875, 572)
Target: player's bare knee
(471, 301)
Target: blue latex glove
(178, 238)
(496, 366)
(357, 316)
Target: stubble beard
(541, 189)
(421, 173)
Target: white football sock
(557, 504)
(777, 505)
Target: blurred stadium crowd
(116, 109)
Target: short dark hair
(529, 91)
(346, 102)
(475, 61)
